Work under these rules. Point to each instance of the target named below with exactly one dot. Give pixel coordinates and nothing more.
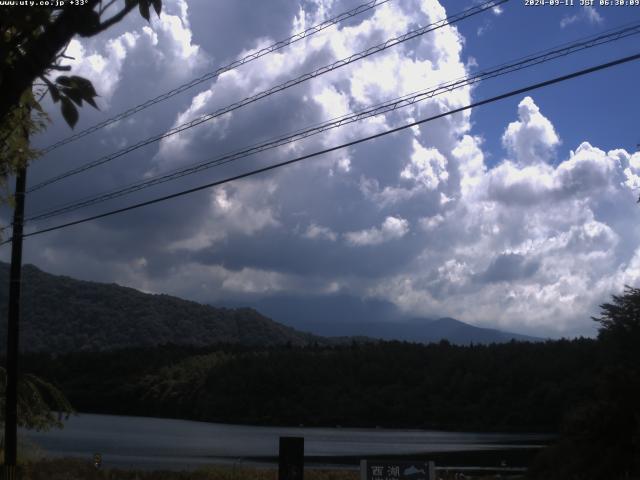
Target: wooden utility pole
(13, 324)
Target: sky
(519, 215)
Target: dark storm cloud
(287, 253)
(509, 267)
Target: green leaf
(53, 90)
(83, 83)
(74, 94)
(157, 6)
(144, 9)
(64, 81)
(55, 93)
(85, 87)
(69, 112)
(91, 102)
(89, 24)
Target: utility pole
(13, 324)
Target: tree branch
(104, 9)
(37, 55)
(114, 19)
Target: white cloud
(391, 229)
(174, 35)
(103, 65)
(531, 138)
(314, 231)
(532, 241)
(166, 45)
(587, 14)
(427, 167)
(565, 225)
(470, 158)
(430, 223)
(232, 211)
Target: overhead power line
(211, 75)
(278, 88)
(379, 109)
(496, 98)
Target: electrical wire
(278, 88)
(379, 109)
(216, 73)
(487, 101)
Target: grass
(74, 469)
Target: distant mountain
(62, 314)
(462, 333)
(347, 316)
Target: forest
(503, 387)
(587, 391)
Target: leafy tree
(32, 45)
(619, 396)
(41, 405)
(27, 119)
(601, 437)
(619, 329)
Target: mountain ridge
(344, 315)
(61, 314)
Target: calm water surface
(142, 442)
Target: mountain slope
(462, 333)
(62, 314)
(424, 330)
(344, 315)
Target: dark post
(11, 404)
(291, 460)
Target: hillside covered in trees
(62, 314)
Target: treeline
(514, 386)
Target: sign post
(291, 458)
(397, 470)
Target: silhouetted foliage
(34, 40)
(512, 386)
(601, 437)
(41, 405)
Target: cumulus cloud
(532, 137)
(232, 211)
(392, 228)
(168, 42)
(509, 267)
(537, 242)
(427, 167)
(426, 218)
(102, 65)
(587, 14)
(314, 231)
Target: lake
(141, 442)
